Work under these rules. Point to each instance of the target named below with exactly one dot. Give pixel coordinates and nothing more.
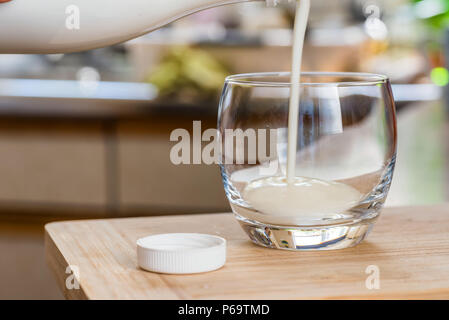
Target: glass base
(323, 237)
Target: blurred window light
(215, 31)
(429, 8)
(401, 92)
(440, 76)
(37, 88)
(347, 36)
(416, 92)
(55, 57)
(88, 78)
(277, 37)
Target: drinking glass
(345, 156)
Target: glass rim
(358, 79)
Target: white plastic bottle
(59, 26)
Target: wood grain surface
(409, 246)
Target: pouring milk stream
(299, 196)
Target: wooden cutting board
(408, 250)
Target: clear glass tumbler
(345, 156)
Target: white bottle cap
(180, 253)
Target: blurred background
(86, 135)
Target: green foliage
(440, 20)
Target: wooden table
(409, 247)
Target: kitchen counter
(405, 257)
